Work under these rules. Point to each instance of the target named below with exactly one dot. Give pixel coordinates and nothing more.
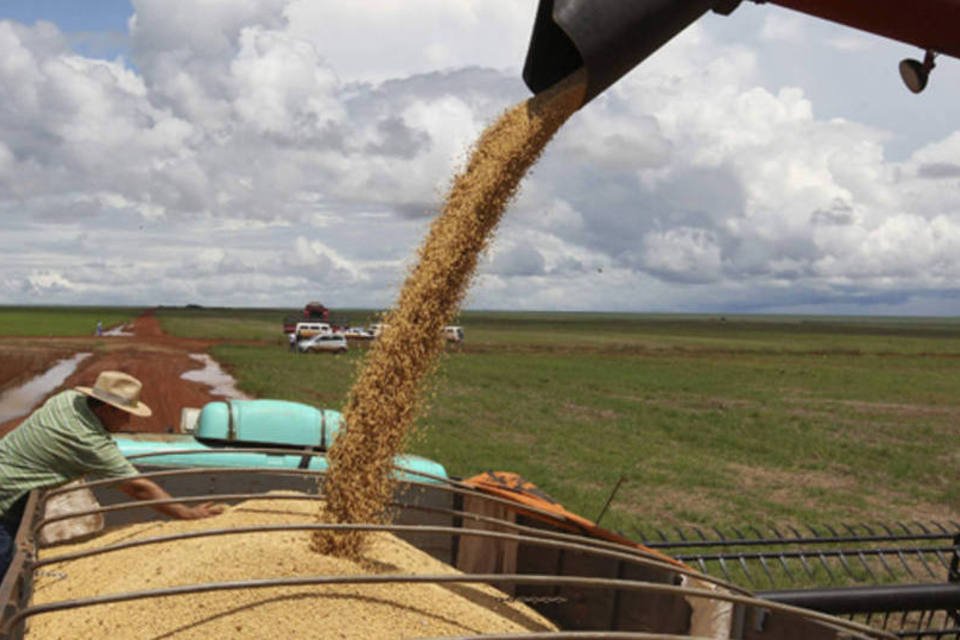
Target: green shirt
(62, 441)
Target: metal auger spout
(605, 37)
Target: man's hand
(204, 510)
(144, 489)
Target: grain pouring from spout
(383, 402)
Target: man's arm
(144, 489)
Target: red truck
(312, 311)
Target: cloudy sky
(269, 152)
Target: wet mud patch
(17, 401)
(20, 361)
(157, 359)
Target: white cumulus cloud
(263, 151)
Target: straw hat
(119, 390)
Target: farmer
(69, 437)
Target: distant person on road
(99, 328)
(68, 438)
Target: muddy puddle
(21, 400)
(220, 382)
(124, 330)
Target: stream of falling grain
(384, 399)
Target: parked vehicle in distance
(310, 329)
(312, 312)
(450, 333)
(333, 343)
(358, 333)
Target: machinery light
(915, 74)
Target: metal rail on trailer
(588, 587)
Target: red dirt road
(157, 359)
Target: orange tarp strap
(513, 487)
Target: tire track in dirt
(154, 357)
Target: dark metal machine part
(610, 37)
(904, 577)
(607, 37)
(928, 24)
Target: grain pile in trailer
(325, 611)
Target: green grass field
(711, 420)
(247, 325)
(61, 321)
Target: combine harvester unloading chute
(610, 37)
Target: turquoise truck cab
(268, 434)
